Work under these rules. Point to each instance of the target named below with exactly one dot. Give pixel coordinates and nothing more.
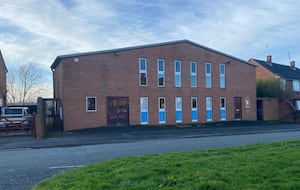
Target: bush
(272, 88)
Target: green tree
(272, 88)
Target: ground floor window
(91, 104)
(208, 108)
(194, 107)
(178, 107)
(298, 104)
(247, 102)
(162, 110)
(223, 108)
(144, 110)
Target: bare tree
(24, 83)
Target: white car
(14, 117)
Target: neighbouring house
(289, 77)
(3, 90)
(178, 82)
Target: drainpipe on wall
(53, 81)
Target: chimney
(292, 63)
(269, 58)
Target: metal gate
(259, 111)
(50, 111)
(16, 121)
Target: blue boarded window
(209, 109)
(162, 110)
(194, 107)
(222, 108)
(178, 107)
(144, 110)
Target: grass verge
(260, 166)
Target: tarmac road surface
(23, 167)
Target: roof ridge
(284, 71)
(60, 57)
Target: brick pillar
(40, 128)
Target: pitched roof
(284, 71)
(2, 61)
(61, 57)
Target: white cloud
(38, 31)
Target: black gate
(259, 111)
(51, 113)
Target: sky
(37, 31)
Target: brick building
(3, 72)
(289, 77)
(177, 82)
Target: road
(21, 168)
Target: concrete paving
(110, 135)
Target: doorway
(259, 111)
(238, 108)
(117, 111)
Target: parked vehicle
(14, 117)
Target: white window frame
(208, 81)
(194, 109)
(223, 108)
(247, 102)
(87, 104)
(298, 104)
(178, 107)
(193, 74)
(222, 76)
(141, 71)
(282, 84)
(161, 72)
(144, 108)
(296, 85)
(162, 110)
(177, 73)
(209, 107)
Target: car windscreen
(13, 111)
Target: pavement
(108, 135)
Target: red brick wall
(271, 109)
(104, 75)
(2, 81)
(275, 109)
(261, 72)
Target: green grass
(260, 166)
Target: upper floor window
(282, 84)
(161, 72)
(208, 75)
(177, 70)
(296, 86)
(193, 71)
(222, 75)
(143, 71)
(90, 104)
